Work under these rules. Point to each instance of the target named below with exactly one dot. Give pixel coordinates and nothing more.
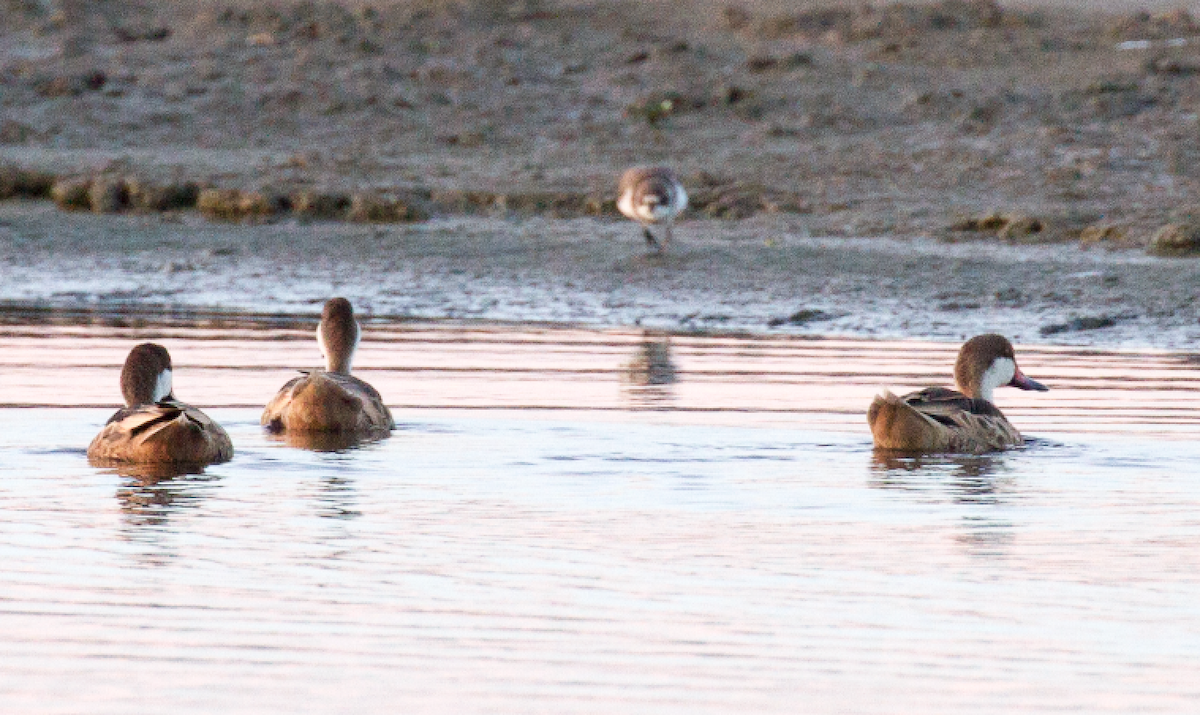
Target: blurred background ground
(958, 120)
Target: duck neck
(337, 344)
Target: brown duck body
(937, 419)
(965, 420)
(167, 432)
(323, 401)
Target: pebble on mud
(1020, 228)
(23, 183)
(1102, 233)
(108, 194)
(71, 194)
(801, 317)
(260, 204)
(1017, 228)
(373, 208)
(1176, 239)
(1078, 324)
(320, 206)
(146, 196)
(219, 203)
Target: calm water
(576, 521)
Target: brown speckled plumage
(330, 400)
(650, 195)
(163, 432)
(937, 419)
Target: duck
(330, 400)
(650, 195)
(966, 420)
(154, 428)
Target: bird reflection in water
(151, 493)
(327, 441)
(647, 378)
(971, 480)
(337, 497)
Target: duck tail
(896, 425)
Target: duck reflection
(968, 479)
(327, 441)
(338, 499)
(647, 378)
(151, 493)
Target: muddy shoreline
(762, 275)
(927, 169)
(1075, 121)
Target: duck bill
(1025, 383)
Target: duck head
(338, 335)
(146, 377)
(987, 362)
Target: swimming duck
(652, 194)
(154, 427)
(330, 400)
(937, 419)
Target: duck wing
(944, 405)
(972, 425)
(939, 420)
(162, 433)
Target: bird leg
(650, 240)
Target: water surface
(599, 521)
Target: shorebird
(652, 195)
(938, 419)
(154, 427)
(330, 400)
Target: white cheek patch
(162, 387)
(999, 374)
(625, 204)
(681, 200)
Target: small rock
(761, 64)
(260, 204)
(321, 206)
(1020, 228)
(990, 222)
(801, 317)
(465, 139)
(1102, 233)
(71, 194)
(1078, 324)
(23, 183)
(372, 208)
(139, 34)
(152, 197)
(108, 195)
(1009, 227)
(1176, 239)
(1172, 66)
(219, 203)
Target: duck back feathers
(168, 432)
(937, 419)
(322, 401)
